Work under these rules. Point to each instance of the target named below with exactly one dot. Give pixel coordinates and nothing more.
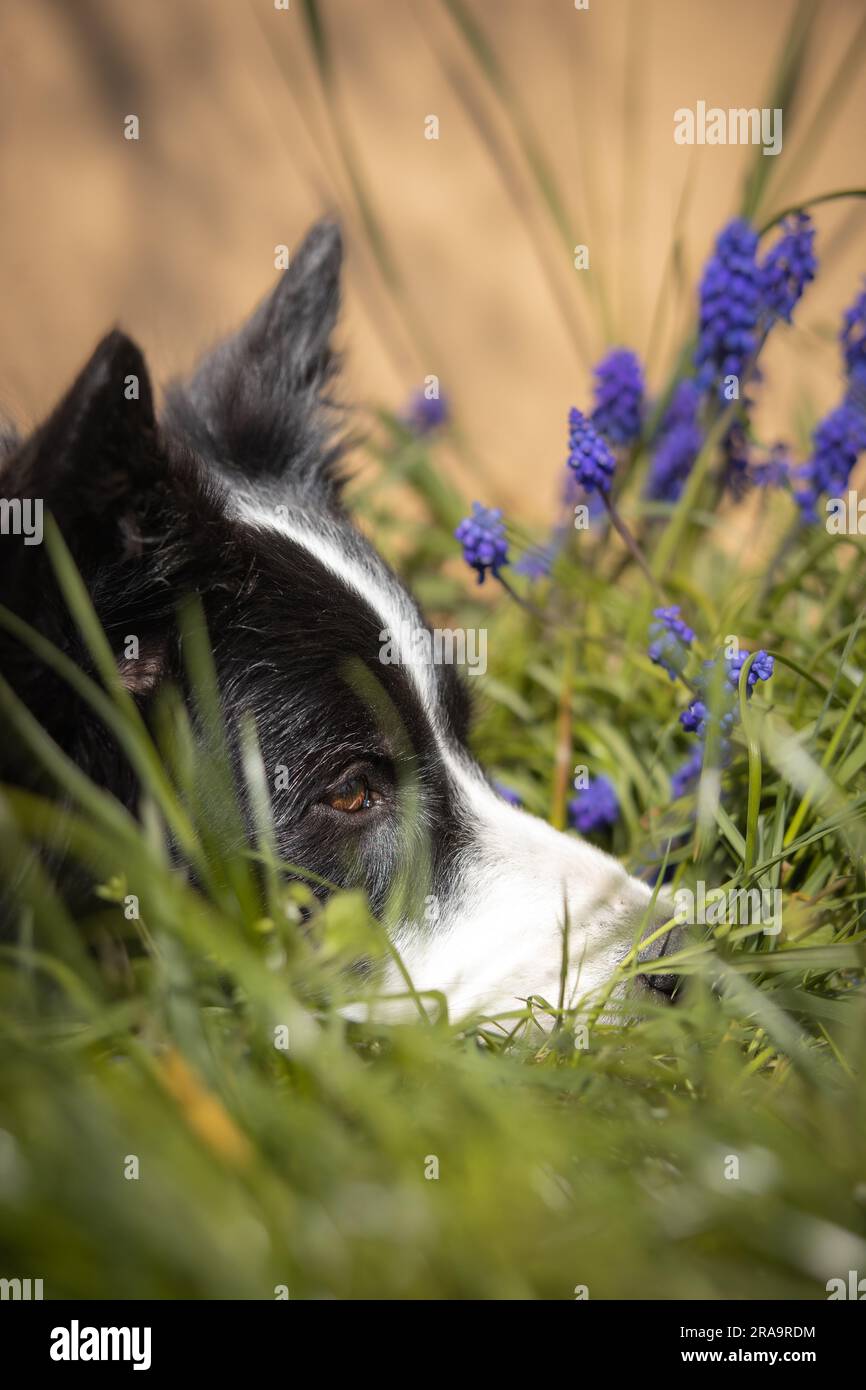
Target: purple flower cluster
(855, 396)
(720, 707)
(696, 717)
(761, 669)
(671, 639)
(853, 335)
(508, 794)
(838, 441)
(589, 457)
(678, 444)
(536, 561)
(619, 389)
(840, 438)
(687, 773)
(730, 307)
(594, 808)
(740, 299)
(423, 413)
(482, 536)
(789, 267)
(776, 468)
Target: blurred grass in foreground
(310, 1166)
(558, 1165)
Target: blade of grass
(783, 95)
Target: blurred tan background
(241, 146)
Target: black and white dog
(234, 494)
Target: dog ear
(95, 453)
(257, 403)
(96, 464)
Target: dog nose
(664, 982)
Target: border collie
(234, 494)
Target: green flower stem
(631, 543)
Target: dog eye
(353, 796)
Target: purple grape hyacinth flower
(589, 457)
(840, 438)
(697, 718)
(776, 468)
(789, 266)
(596, 807)
(730, 307)
(838, 442)
(671, 639)
(619, 389)
(855, 396)
(687, 773)
(761, 669)
(853, 335)
(694, 718)
(507, 793)
(424, 413)
(536, 561)
(678, 444)
(720, 713)
(482, 536)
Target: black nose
(663, 982)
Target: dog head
(233, 494)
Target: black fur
(146, 508)
(257, 403)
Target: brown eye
(353, 796)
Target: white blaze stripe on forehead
(361, 570)
(364, 574)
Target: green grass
(559, 1165)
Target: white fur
(500, 937)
